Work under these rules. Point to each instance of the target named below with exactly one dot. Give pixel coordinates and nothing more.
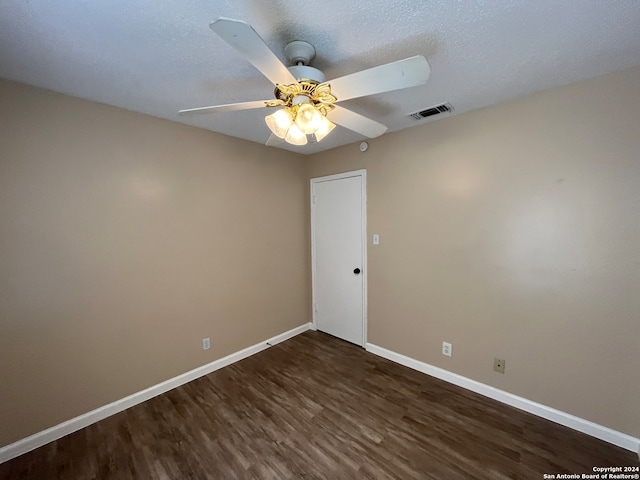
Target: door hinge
(314, 199)
(315, 307)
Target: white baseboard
(585, 426)
(65, 428)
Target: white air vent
(429, 112)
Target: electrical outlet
(446, 349)
(498, 365)
(206, 343)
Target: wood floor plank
(315, 407)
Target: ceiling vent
(430, 112)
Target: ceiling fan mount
(299, 52)
(308, 101)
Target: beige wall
(125, 240)
(514, 231)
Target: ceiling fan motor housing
(304, 72)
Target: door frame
(363, 196)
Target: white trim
(363, 195)
(365, 266)
(585, 426)
(339, 176)
(65, 428)
(312, 202)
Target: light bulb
(295, 136)
(308, 118)
(279, 122)
(325, 127)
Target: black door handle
(357, 271)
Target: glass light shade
(325, 127)
(308, 118)
(295, 136)
(279, 122)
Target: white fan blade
(356, 122)
(274, 141)
(245, 39)
(410, 72)
(231, 107)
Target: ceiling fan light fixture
(308, 119)
(295, 136)
(307, 103)
(325, 128)
(279, 122)
(294, 123)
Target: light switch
(376, 239)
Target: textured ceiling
(158, 57)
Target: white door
(338, 225)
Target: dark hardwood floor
(317, 407)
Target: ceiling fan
(309, 103)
